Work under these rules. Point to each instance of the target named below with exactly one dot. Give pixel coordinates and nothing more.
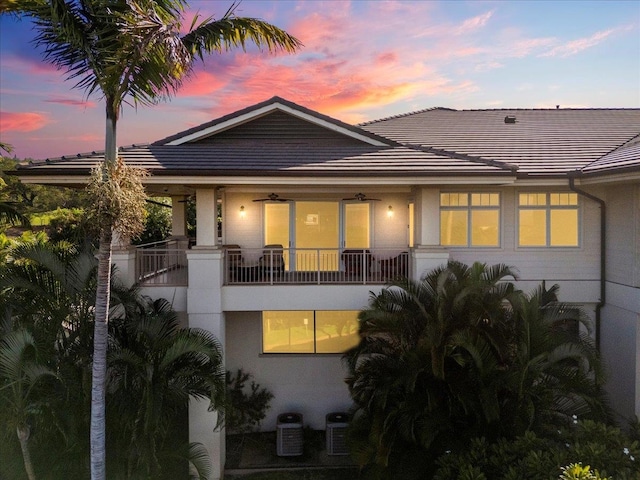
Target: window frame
(548, 208)
(312, 325)
(469, 208)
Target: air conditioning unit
(289, 435)
(336, 433)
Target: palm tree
(429, 359)
(155, 366)
(556, 372)
(130, 50)
(48, 291)
(22, 372)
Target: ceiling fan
(273, 197)
(361, 197)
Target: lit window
(548, 220)
(308, 331)
(470, 219)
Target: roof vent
(510, 119)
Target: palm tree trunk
(98, 379)
(24, 432)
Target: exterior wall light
(242, 212)
(390, 211)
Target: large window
(309, 331)
(470, 219)
(548, 220)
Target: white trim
(264, 111)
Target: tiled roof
(279, 160)
(278, 137)
(541, 142)
(624, 158)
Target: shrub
(530, 457)
(246, 405)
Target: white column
(204, 307)
(427, 211)
(206, 218)
(123, 256)
(178, 216)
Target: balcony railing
(165, 263)
(162, 263)
(313, 265)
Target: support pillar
(204, 307)
(206, 217)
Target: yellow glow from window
(336, 331)
(485, 228)
(532, 229)
(411, 224)
(453, 227)
(356, 225)
(485, 199)
(306, 331)
(454, 199)
(532, 199)
(287, 332)
(564, 228)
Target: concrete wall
(309, 384)
(620, 326)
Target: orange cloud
(22, 121)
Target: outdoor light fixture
(242, 212)
(390, 211)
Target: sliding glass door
(317, 230)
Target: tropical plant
(246, 403)
(22, 372)
(595, 445)
(130, 49)
(155, 367)
(460, 354)
(427, 370)
(555, 373)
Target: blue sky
(361, 60)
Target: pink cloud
(203, 83)
(71, 102)
(576, 46)
(22, 121)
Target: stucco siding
(309, 384)
(620, 348)
(623, 235)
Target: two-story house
(315, 214)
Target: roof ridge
(92, 153)
(463, 156)
(400, 115)
(632, 141)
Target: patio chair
(393, 267)
(356, 262)
(272, 261)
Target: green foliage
(462, 354)
(47, 294)
(157, 225)
(576, 471)
(246, 405)
(532, 457)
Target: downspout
(603, 258)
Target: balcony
(321, 266)
(162, 263)
(165, 264)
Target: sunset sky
(361, 60)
